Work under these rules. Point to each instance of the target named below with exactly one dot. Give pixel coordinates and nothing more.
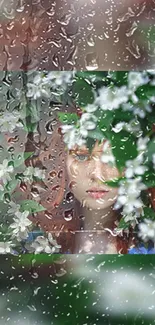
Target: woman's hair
(62, 214)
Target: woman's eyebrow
(82, 151)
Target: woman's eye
(81, 157)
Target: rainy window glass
(77, 162)
(88, 35)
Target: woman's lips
(97, 195)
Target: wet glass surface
(78, 289)
(82, 35)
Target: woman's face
(86, 172)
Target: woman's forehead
(97, 147)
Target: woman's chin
(96, 204)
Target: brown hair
(62, 214)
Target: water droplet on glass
(56, 188)
(23, 186)
(60, 173)
(61, 272)
(11, 149)
(68, 214)
(51, 12)
(72, 185)
(49, 127)
(69, 197)
(65, 19)
(91, 61)
(90, 40)
(34, 192)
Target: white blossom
(13, 207)
(5, 171)
(39, 87)
(107, 156)
(151, 71)
(20, 225)
(133, 126)
(147, 230)
(135, 167)
(41, 244)
(88, 121)
(136, 79)
(43, 84)
(142, 109)
(31, 172)
(6, 247)
(91, 108)
(111, 98)
(138, 108)
(60, 78)
(133, 216)
(72, 136)
(9, 121)
(129, 195)
(142, 144)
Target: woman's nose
(96, 170)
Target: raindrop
(132, 29)
(135, 50)
(72, 185)
(1, 148)
(91, 61)
(56, 188)
(55, 61)
(48, 215)
(53, 174)
(49, 127)
(90, 40)
(60, 173)
(69, 197)
(51, 12)
(90, 26)
(34, 192)
(11, 149)
(23, 186)
(65, 19)
(13, 140)
(61, 272)
(7, 198)
(68, 214)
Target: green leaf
(31, 206)
(115, 182)
(31, 127)
(90, 144)
(82, 93)
(145, 92)
(68, 118)
(46, 259)
(12, 185)
(123, 225)
(149, 178)
(18, 160)
(92, 75)
(123, 147)
(148, 214)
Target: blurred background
(77, 289)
